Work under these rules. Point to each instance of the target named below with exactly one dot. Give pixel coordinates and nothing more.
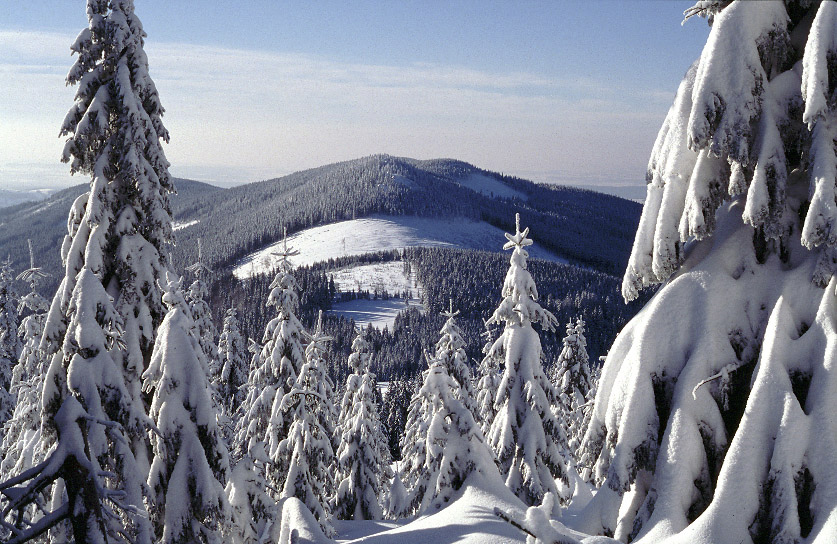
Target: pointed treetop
(199, 268)
(33, 273)
(450, 314)
(519, 239)
(286, 252)
(170, 286)
(319, 338)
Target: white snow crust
(379, 233)
(490, 186)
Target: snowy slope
(490, 186)
(9, 197)
(380, 233)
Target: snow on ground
(490, 186)
(389, 277)
(469, 519)
(378, 313)
(178, 225)
(381, 233)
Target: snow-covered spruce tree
(453, 447)
(489, 383)
(191, 462)
(253, 510)
(413, 470)
(21, 448)
(450, 349)
(10, 345)
(394, 412)
(571, 376)
(275, 368)
(525, 435)
(302, 460)
(202, 316)
(100, 328)
(235, 364)
(363, 453)
(714, 416)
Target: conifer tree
(21, 448)
(363, 454)
(10, 345)
(453, 447)
(235, 365)
(100, 328)
(489, 383)
(450, 349)
(191, 462)
(525, 434)
(571, 376)
(253, 510)
(202, 316)
(275, 368)
(302, 459)
(713, 420)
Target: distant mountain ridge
(587, 228)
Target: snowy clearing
(490, 186)
(381, 233)
(179, 225)
(378, 313)
(387, 277)
(378, 277)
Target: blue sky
(553, 91)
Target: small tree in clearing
(525, 434)
(191, 462)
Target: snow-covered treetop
(198, 268)
(738, 127)
(361, 354)
(519, 291)
(317, 342)
(33, 273)
(284, 287)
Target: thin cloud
(247, 112)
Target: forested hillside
(45, 223)
(248, 217)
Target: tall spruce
(302, 459)
(713, 420)
(526, 435)
(276, 366)
(101, 324)
(450, 350)
(571, 376)
(363, 453)
(21, 447)
(191, 463)
(10, 345)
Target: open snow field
(490, 186)
(389, 277)
(381, 233)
